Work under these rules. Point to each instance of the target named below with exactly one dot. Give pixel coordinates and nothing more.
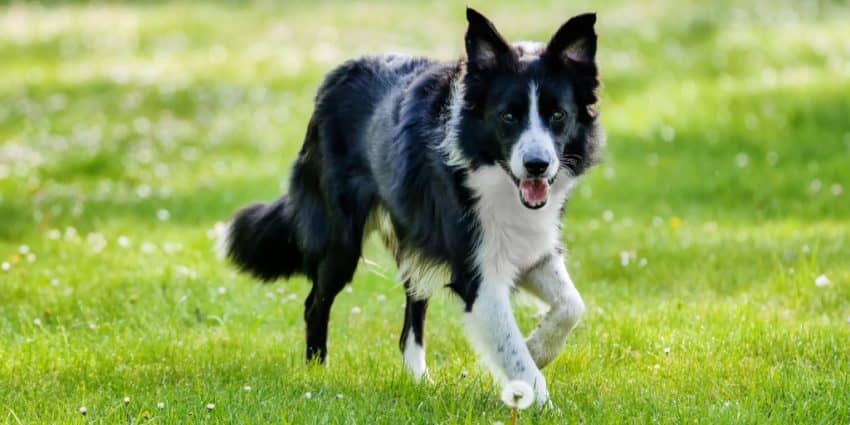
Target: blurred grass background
(130, 130)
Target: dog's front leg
(550, 282)
(494, 333)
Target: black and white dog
(463, 168)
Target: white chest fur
(513, 237)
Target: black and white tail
(261, 240)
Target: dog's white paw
(541, 396)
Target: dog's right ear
(485, 47)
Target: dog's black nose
(536, 166)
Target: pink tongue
(534, 192)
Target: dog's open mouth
(534, 192)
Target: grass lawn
(130, 131)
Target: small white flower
(24, 249)
(308, 395)
(627, 257)
(126, 400)
(163, 214)
(666, 350)
(6, 266)
(70, 234)
(31, 258)
(247, 388)
(340, 396)
(822, 281)
(815, 186)
(148, 248)
(143, 191)
(160, 405)
(464, 374)
(96, 241)
(608, 215)
(171, 247)
(54, 282)
(54, 234)
(222, 290)
(517, 395)
(742, 160)
(123, 241)
(836, 189)
(381, 298)
(210, 406)
(83, 410)
(348, 290)
(356, 310)
(36, 321)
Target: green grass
(726, 174)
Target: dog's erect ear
(484, 45)
(575, 41)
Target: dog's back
(331, 186)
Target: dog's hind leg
(550, 282)
(334, 271)
(334, 268)
(412, 342)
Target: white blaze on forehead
(535, 137)
(535, 125)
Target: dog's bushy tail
(261, 240)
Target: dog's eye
(557, 116)
(508, 117)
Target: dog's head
(530, 107)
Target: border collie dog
(463, 168)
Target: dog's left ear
(575, 41)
